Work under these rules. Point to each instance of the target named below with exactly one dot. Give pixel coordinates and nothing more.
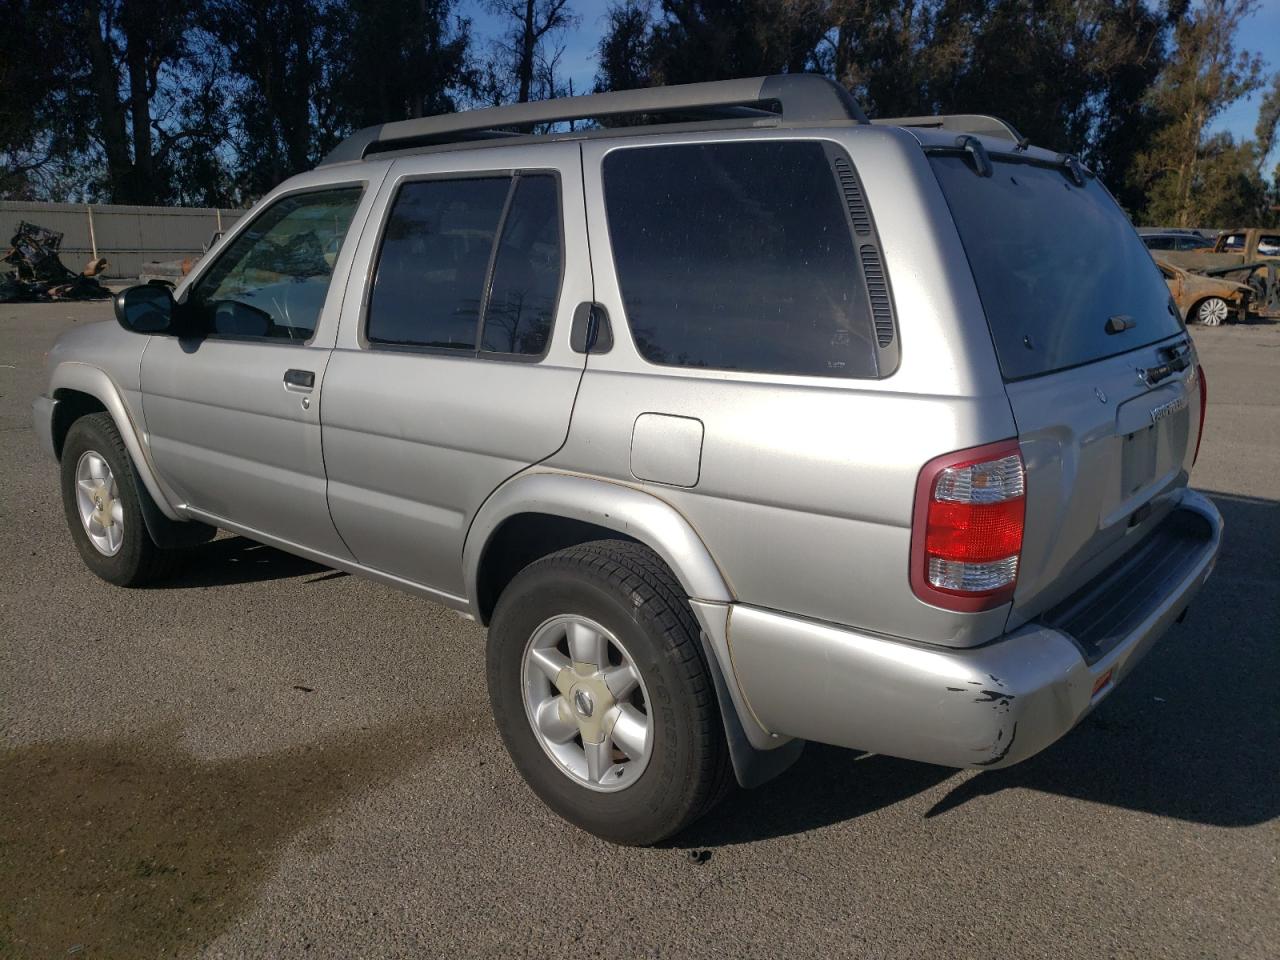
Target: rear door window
(1053, 262)
(739, 256)
(441, 284)
(521, 301)
(431, 268)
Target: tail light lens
(966, 537)
(1204, 403)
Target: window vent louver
(878, 291)
(852, 191)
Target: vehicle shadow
(233, 559)
(1191, 734)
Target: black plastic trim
(875, 275)
(1100, 615)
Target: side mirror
(149, 308)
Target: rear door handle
(299, 379)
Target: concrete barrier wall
(127, 236)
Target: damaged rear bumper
(989, 706)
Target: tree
(1264, 133)
(31, 120)
(625, 52)
(1186, 175)
(411, 57)
(522, 49)
(695, 40)
(113, 103)
(276, 50)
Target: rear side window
(440, 283)
(1053, 262)
(1158, 243)
(738, 256)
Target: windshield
(1053, 263)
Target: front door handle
(299, 379)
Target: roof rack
(975, 123)
(800, 97)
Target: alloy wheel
(98, 503)
(587, 703)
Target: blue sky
(1260, 34)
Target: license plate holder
(1138, 460)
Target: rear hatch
(1099, 370)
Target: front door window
(271, 281)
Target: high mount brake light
(966, 537)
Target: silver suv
(740, 423)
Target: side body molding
(85, 378)
(616, 506)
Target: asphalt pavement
(265, 758)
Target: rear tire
(625, 595)
(100, 500)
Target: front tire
(1212, 312)
(100, 500)
(602, 694)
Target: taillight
(1204, 403)
(966, 536)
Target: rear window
(739, 256)
(1053, 262)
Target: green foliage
(1130, 86)
(216, 101)
(1189, 178)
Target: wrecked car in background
(172, 271)
(1248, 255)
(39, 272)
(1174, 239)
(1210, 301)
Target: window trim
(512, 175)
(887, 359)
(243, 224)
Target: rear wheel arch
(563, 510)
(524, 539)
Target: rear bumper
(42, 409)
(989, 706)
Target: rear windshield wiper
(1177, 358)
